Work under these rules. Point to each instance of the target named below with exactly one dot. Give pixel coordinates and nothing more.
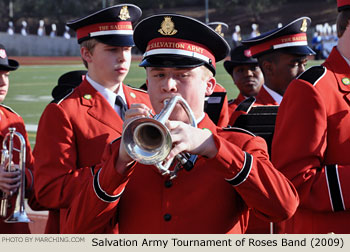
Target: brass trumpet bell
(148, 141)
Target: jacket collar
(99, 108)
(264, 98)
(340, 68)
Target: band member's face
(248, 78)
(287, 68)
(108, 65)
(4, 84)
(193, 84)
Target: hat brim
(345, 7)
(299, 50)
(229, 64)
(12, 65)
(113, 40)
(174, 61)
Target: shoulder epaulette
(237, 129)
(58, 100)
(9, 109)
(313, 74)
(246, 105)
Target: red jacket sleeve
(256, 179)
(99, 197)
(299, 147)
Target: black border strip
(102, 194)
(92, 169)
(334, 188)
(243, 174)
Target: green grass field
(30, 87)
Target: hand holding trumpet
(190, 139)
(10, 180)
(158, 141)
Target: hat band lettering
(112, 28)
(179, 47)
(299, 39)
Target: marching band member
(231, 175)
(312, 139)
(74, 130)
(10, 180)
(246, 75)
(282, 56)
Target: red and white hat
(343, 4)
(290, 38)
(112, 25)
(172, 40)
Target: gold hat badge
(167, 27)
(124, 13)
(303, 27)
(218, 29)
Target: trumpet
(148, 141)
(19, 214)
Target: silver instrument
(19, 214)
(148, 141)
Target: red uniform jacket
(213, 197)
(311, 147)
(72, 135)
(9, 118)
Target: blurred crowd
(323, 40)
(41, 29)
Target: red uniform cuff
(108, 183)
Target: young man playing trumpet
(231, 174)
